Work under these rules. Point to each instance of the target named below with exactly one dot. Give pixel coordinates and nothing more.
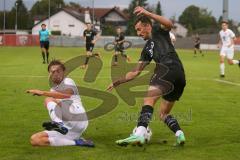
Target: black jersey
(89, 34)
(197, 40)
(160, 48)
(119, 37)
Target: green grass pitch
(208, 112)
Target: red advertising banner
(19, 40)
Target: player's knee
(47, 100)
(148, 101)
(230, 62)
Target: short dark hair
(224, 21)
(56, 62)
(43, 24)
(143, 19)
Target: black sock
(86, 61)
(145, 116)
(172, 123)
(195, 52)
(43, 56)
(47, 56)
(115, 58)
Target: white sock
(235, 61)
(51, 110)
(178, 133)
(222, 68)
(61, 142)
(140, 131)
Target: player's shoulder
(68, 81)
(230, 31)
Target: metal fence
(61, 41)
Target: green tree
(196, 19)
(40, 9)
(132, 17)
(158, 9)
(73, 5)
(22, 16)
(108, 30)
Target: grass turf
(208, 111)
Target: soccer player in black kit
(91, 36)
(119, 48)
(168, 80)
(197, 44)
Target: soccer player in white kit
(226, 43)
(172, 37)
(68, 116)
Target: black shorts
(119, 48)
(44, 44)
(89, 47)
(170, 80)
(197, 46)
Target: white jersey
(172, 37)
(66, 84)
(226, 37)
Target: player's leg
(170, 121)
(195, 51)
(222, 65)
(177, 79)
(39, 139)
(89, 54)
(53, 138)
(145, 116)
(77, 122)
(115, 58)
(125, 55)
(230, 55)
(43, 51)
(55, 113)
(47, 50)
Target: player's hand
(230, 45)
(140, 10)
(93, 41)
(35, 92)
(110, 87)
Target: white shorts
(227, 52)
(74, 133)
(74, 118)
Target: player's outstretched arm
(58, 95)
(129, 76)
(162, 20)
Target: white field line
(227, 82)
(191, 78)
